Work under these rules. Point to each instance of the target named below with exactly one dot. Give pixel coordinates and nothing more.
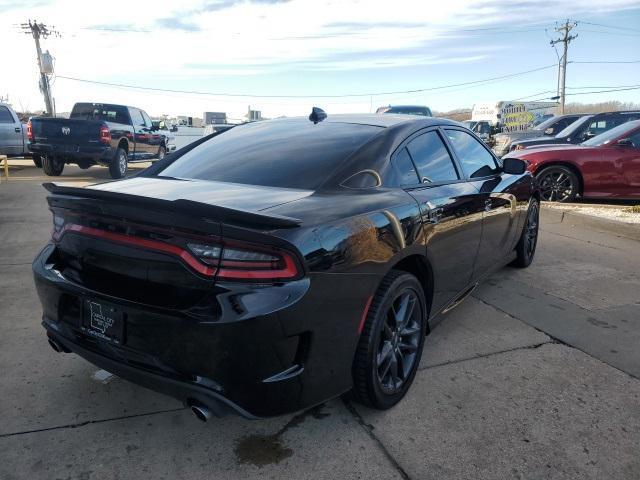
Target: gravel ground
(619, 213)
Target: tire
(380, 346)
(558, 184)
(162, 151)
(526, 247)
(37, 161)
(118, 164)
(52, 166)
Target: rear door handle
(18, 130)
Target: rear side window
(407, 174)
(474, 157)
(279, 153)
(104, 113)
(432, 159)
(5, 115)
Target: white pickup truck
(13, 134)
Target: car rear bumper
(74, 153)
(256, 350)
(188, 393)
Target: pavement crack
(485, 355)
(489, 304)
(368, 429)
(581, 239)
(89, 422)
(557, 340)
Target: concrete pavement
(535, 376)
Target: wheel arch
(563, 163)
(419, 266)
(124, 144)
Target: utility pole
(40, 30)
(564, 30)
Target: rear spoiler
(241, 218)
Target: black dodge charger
(281, 263)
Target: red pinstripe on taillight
(145, 243)
(285, 268)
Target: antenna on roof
(317, 115)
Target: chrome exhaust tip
(55, 345)
(202, 413)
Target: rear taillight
(229, 261)
(247, 263)
(30, 131)
(105, 135)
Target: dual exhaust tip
(201, 412)
(57, 347)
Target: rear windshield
(424, 111)
(280, 153)
(104, 113)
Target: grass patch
(634, 209)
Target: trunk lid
(248, 198)
(162, 243)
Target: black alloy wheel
(528, 242)
(391, 342)
(558, 184)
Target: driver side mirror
(625, 142)
(549, 131)
(514, 166)
(588, 134)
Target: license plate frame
(103, 321)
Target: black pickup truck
(96, 134)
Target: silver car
(549, 127)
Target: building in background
(189, 121)
(214, 118)
(254, 115)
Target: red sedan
(607, 165)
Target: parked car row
(550, 127)
(603, 166)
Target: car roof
(619, 112)
(378, 120)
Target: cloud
(217, 5)
(178, 20)
(6, 5)
(177, 23)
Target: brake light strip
(158, 246)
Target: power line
(626, 34)
(633, 87)
(610, 26)
(607, 86)
(533, 95)
(251, 95)
(607, 61)
(636, 87)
